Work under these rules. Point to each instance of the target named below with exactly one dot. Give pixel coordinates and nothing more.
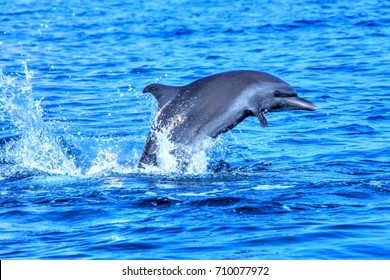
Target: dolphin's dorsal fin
(163, 93)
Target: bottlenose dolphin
(215, 104)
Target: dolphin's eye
(279, 93)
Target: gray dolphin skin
(215, 104)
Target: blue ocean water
(73, 122)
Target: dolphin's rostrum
(215, 104)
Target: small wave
(270, 187)
(297, 24)
(144, 69)
(377, 118)
(373, 23)
(261, 210)
(217, 201)
(354, 129)
(158, 202)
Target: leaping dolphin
(215, 104)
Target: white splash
(38, 147)
(105, 161)
(176, 158)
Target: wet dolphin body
(215, 104)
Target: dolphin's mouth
(285, 103)
(297, 103)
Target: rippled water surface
(74, 120)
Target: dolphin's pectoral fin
(260, 115)
(163, 93)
